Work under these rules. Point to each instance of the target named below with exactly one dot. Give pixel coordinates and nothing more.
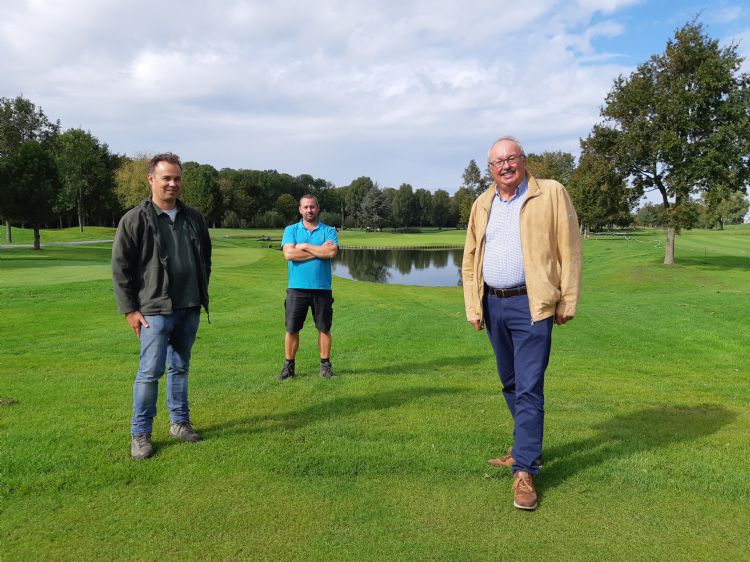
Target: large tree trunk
(669, 250)
(37, 244)
(8, 235)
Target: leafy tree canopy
(679, 124)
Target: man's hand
(561, 319)
(136, 320)
(477, 324)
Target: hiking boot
(506, 461)
(140, 446)
(524, 493)
(184, 432)
(287, 372)
(325, 370)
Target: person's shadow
(333, 408)
(629, 434)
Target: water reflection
(431, 268)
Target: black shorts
(299, 300)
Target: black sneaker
(326, 371)
(287, 372)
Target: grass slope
(647, 428)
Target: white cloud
(400, 91)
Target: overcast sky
(401, 91)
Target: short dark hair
(309, 196)
(165, 157)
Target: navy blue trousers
(522, 349)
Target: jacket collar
(485, 199)
(147, 202)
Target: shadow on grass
(415, 367)
(715, 262)
(629, 434)
(334, 408)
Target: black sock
(325, 361)
(288, 361)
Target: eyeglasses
(510, 160)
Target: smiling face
(308, 208)
(166, 184)
(508, 165)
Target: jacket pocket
(153, 286)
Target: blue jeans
(522, 349)
(168, 340)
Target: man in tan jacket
(521, 273)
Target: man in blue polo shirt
(309, 246)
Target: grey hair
(507, 138)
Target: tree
(354, 195)
(599, 193)
(131, 181)
(474, 181)
(552, 165)
(464, 198)
(200, 189)
(21, 121)
(287, 207)
(374, 209)
(727, 209)
(403, 206)
(30, 184)
(85, 170)
(651, 215)
(242, 193)
(441, 208)
(680, 124)
(423, 206)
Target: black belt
(512, 292)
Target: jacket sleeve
(471, 296)
(571, 260)
(208, 249)
(125, 268)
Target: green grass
(74, 234)
(271, 236)
(647, 427)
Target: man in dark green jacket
(161, 264)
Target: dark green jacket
(139, 266)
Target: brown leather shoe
(505, 461)
(524, 493)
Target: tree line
(678, 126)
(60, 179)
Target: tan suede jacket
(551, 247)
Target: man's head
(507, 162)
(309, 208)
(165, 179)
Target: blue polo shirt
(314, 273)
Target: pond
(427, 268)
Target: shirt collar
(521, 190)
(301, 224)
